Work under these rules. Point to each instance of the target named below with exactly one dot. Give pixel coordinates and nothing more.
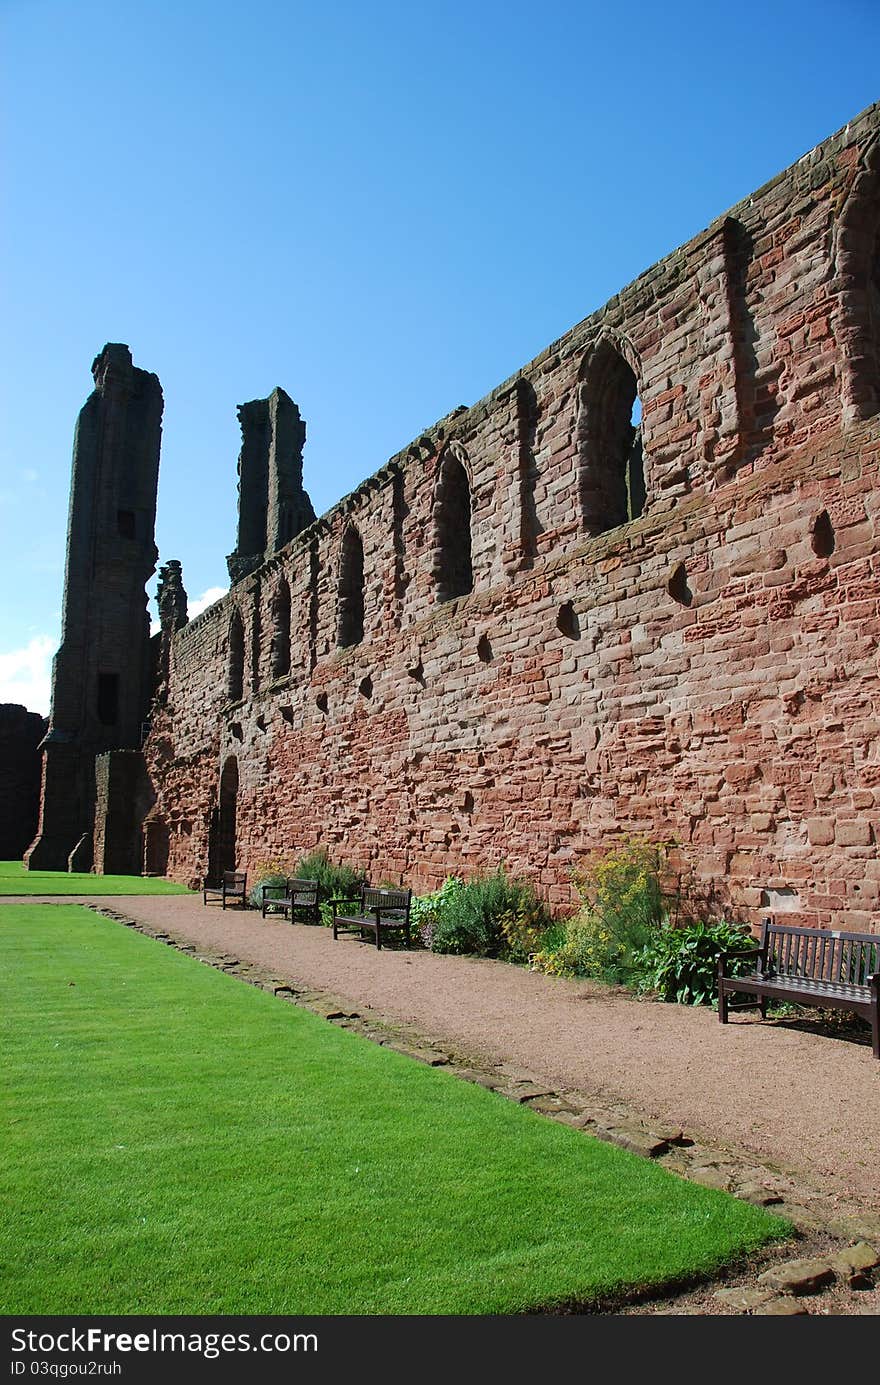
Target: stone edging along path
(834, 1270)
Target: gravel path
(802, 1100)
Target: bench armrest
(353, 900)
(746, 952)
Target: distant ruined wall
(548, 622)
(20, 734)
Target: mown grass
(15, 879)
(178, 1142)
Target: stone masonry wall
(705, 672)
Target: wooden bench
(374, 911)
(295, 898)
(809, 966)
(233, 886)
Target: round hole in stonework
(321, 702)
(678, 588)
(822, 538)
(365, 687)
(567, 621)
(237, 731)
(484, 650)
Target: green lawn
(178, 1142)
(14, 879)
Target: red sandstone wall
(745, 724)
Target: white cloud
(206, 599)
(26, 674)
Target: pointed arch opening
(858, 265)
(235, 658)
(350, 606)
(453, 565)
(227, 849)
(611, 468)
(281, 629)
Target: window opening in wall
(281, 630)
(453, 568)
(365, 687)
(235, 685)
(125, 524)
(612, 469)
(350, 627)
(678, 586)
(874, 305)
(822, 538)
(567, 621)
(108, 698)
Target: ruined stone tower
(272, 505)
(101, 676)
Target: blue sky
(385, 208)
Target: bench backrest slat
(833, 957)
(306, 890)
(374, 898)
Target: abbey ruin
(547, 622)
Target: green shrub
(473, 918)
(336, 880)
(522, 931)
(427, 909)
(272, 870)
(622, 907)
(681, 963)
(577, 947)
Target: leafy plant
(336, 880)
(576, 947)
(270, 870)
(472, 919)
(681, 963)
(426, 910)
(522, 931)
(622, 906)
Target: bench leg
(378, 937)
(875, 1031)
(335, 934)
(762, 1005)
(722, 1004)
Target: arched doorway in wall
(223, 850)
